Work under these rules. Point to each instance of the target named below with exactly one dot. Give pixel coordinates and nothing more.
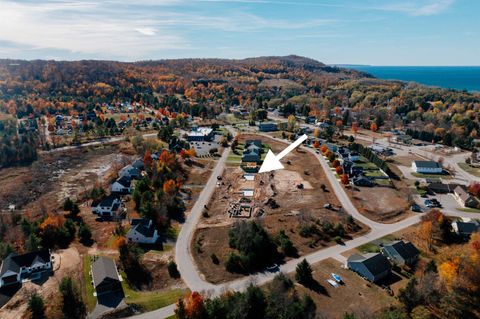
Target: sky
(374, 32)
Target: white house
(33, 265)
(122, 185)
(130, 172)
(142, 231)
(427, 167)
(107, 206)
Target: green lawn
(469, 210)
(90, 299)
(374, 173)
(420, 175)
(469, 169)
(151, 300)
(363, 162)
(369, 248)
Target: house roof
(106, 201)
(138, 164)
(427, 164)
(467, 227)
(13, 262)
(376, 263)
(405, 250)
(254, 142)
(461, 192)
(104, 268)
(130, 169)
(124, 181)
(143, 226)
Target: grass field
(90, 299)
(151, 300)
(420, 175)
(469, 169)
(469, 210)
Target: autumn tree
(316, 144)
(474, 188)
(344, 179)
(170, 187)
(355, 128)
(194, 306)
(339, 170)
(291, 123)
(373, 127)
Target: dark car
(416, 208)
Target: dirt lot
(45, 184)
(356, 295)
(66, 264)
(198, 175)
(295, 206)
(381, 204)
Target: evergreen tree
(36, 306)
(73, 306)
(304, 273)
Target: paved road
(195, 281)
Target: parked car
(429, 203)
(273, 268)
(416, 208)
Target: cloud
(419, 8)
(146, 31)
(82, 27)
(124, 30)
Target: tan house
(464, 198)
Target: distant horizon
(239, 59)
(370, 32)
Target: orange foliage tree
(324, 148)
(344, 179)
(336, 163)
(316, 144)
(373, 127)
(170, 187)
(339, 170)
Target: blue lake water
(450, 77)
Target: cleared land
(356, 295)
(296, 206)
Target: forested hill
(210, 86)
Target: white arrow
(272, 161)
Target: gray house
(105, 276)
(33, 265)
(372, 266)
(401, 253)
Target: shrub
(172, 269)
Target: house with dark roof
(107, 207)
(122, 186)
(142, 231)
(401, 253)
(252, 151)
(139, 164)
(427, 167)
(130, 172)
(373, 266)
(362, 180)
(16, 268)
(105, 276)
(465, 228)
(464, 198)
(267, 127)
(441, 188)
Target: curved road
(196, 282)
